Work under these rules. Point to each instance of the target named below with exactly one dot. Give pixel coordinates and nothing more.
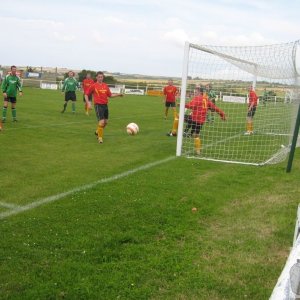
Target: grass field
(79, 220)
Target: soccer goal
(225, 75)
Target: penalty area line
(19, 209)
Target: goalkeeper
(199, 106)
(10, 86)
(69, 88)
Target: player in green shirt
(10, 87)
(212, 97)
(69, 88)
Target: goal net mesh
(225, 75)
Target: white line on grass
(8, 205)
(37, 203)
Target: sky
(136, 36)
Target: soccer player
(101, 93)
(211, 97)
(199, 106)
(10, 86)
(170, 91)
(86, 83)
(69, 88)
(253, 99)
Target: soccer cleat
(248, 133)
(171, 134)
(63, 110)
(100, 140)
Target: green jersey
(70, 85)
(11, 84)
(211, 95)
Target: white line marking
(8, 205)
(37, 203)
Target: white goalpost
(224, 75)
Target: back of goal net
(218, 79)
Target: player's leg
(67, 98)
(197, 141)
(73, 96)
(86, 109)
(212, 113)
(250, 116)
(173, 132)
(102, 115)
(14, 110)
(4, 110)
(167, 105)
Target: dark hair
(100, 73)
(13, 67)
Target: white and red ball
(132, 129)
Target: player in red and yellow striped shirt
(170, 91)
(199, 105)
(101, 93)
(253, 101)
(86, 84)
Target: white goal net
(224, 76)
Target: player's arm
(86, 96)
(116, 95)
(19, 87)
(4, 87)
(64, 86)
(215, 108)
(191, 104)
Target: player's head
(251, 88)
(170, 81)
(13, 70)
(100, 76)
(71, 74)
(197, 90)
(88, 75)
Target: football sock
(251, 127)
(73, 107)
(175, 125)
(4, 111)
(197, 143)
(248, 127)
(14, 113)
(175, 115)
(100, 130)
(166, 112)
(65, 106)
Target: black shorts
(101, 111)
(251, 112)
(90, 98)
(188, 119)
(70, 96)
(11, 99)
(170, 104)
(196, 127)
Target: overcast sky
(136, 36)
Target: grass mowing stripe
(37, 203)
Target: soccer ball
(132, 129)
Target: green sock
(73, 107)
(14, 113)
(4, 111)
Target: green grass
(135, 237)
